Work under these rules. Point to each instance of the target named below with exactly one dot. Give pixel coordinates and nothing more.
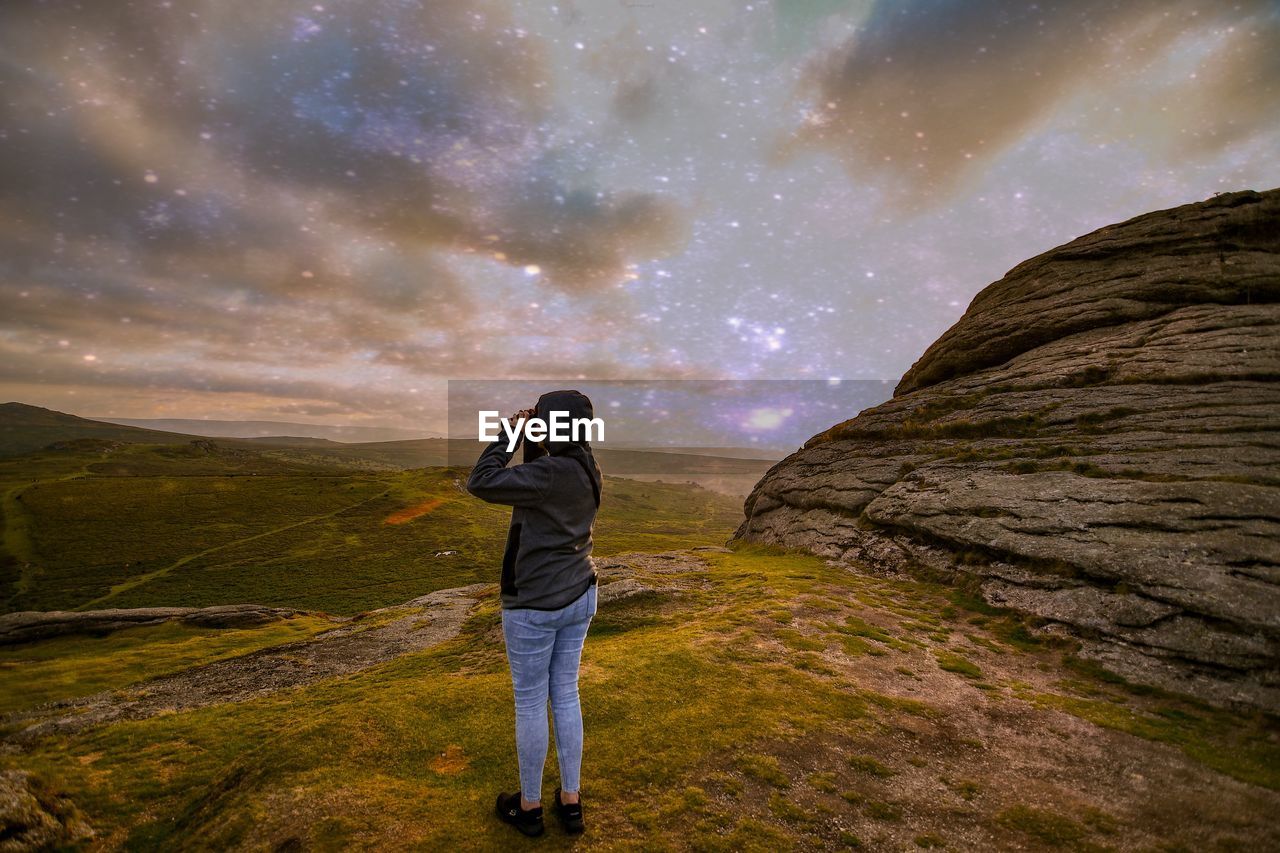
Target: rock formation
(1095, 443)
(357, 644)
(25, 626)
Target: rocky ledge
(357, 644)
(1095, 443)
(25, 626)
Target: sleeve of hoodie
(491, 480)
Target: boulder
(1096, 443)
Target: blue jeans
(544, 648)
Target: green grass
(881, 810)
(867, 764)
(315, 540)
(764, 768)
(1046, 826)
(68, 667)
(788, 810)
(952, 662)
(1212, 736)
(799, 642)
(824, 781)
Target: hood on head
(578, 405)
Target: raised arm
(491, 480)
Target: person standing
(548, 594)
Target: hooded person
(547, 566)
(554, 495)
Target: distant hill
(271, 429)
(771, 454)
(729, 470)
(24, 428)
(734, 475)
(293, 441)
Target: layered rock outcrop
(24, 626)
(1096, 442)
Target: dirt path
(139, 580)
(379, 636)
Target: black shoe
(510, 811)
(570, 814)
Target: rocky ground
(1096, 443)
(25, 626)
(355, 645)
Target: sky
(325, 211)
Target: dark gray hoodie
(554, 495)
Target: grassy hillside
(146, 525)
(269, 429)
(25, 428)
(781, 704)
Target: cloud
(647, 83)
(928, 93)
(271, 182)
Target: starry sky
(324, 211)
